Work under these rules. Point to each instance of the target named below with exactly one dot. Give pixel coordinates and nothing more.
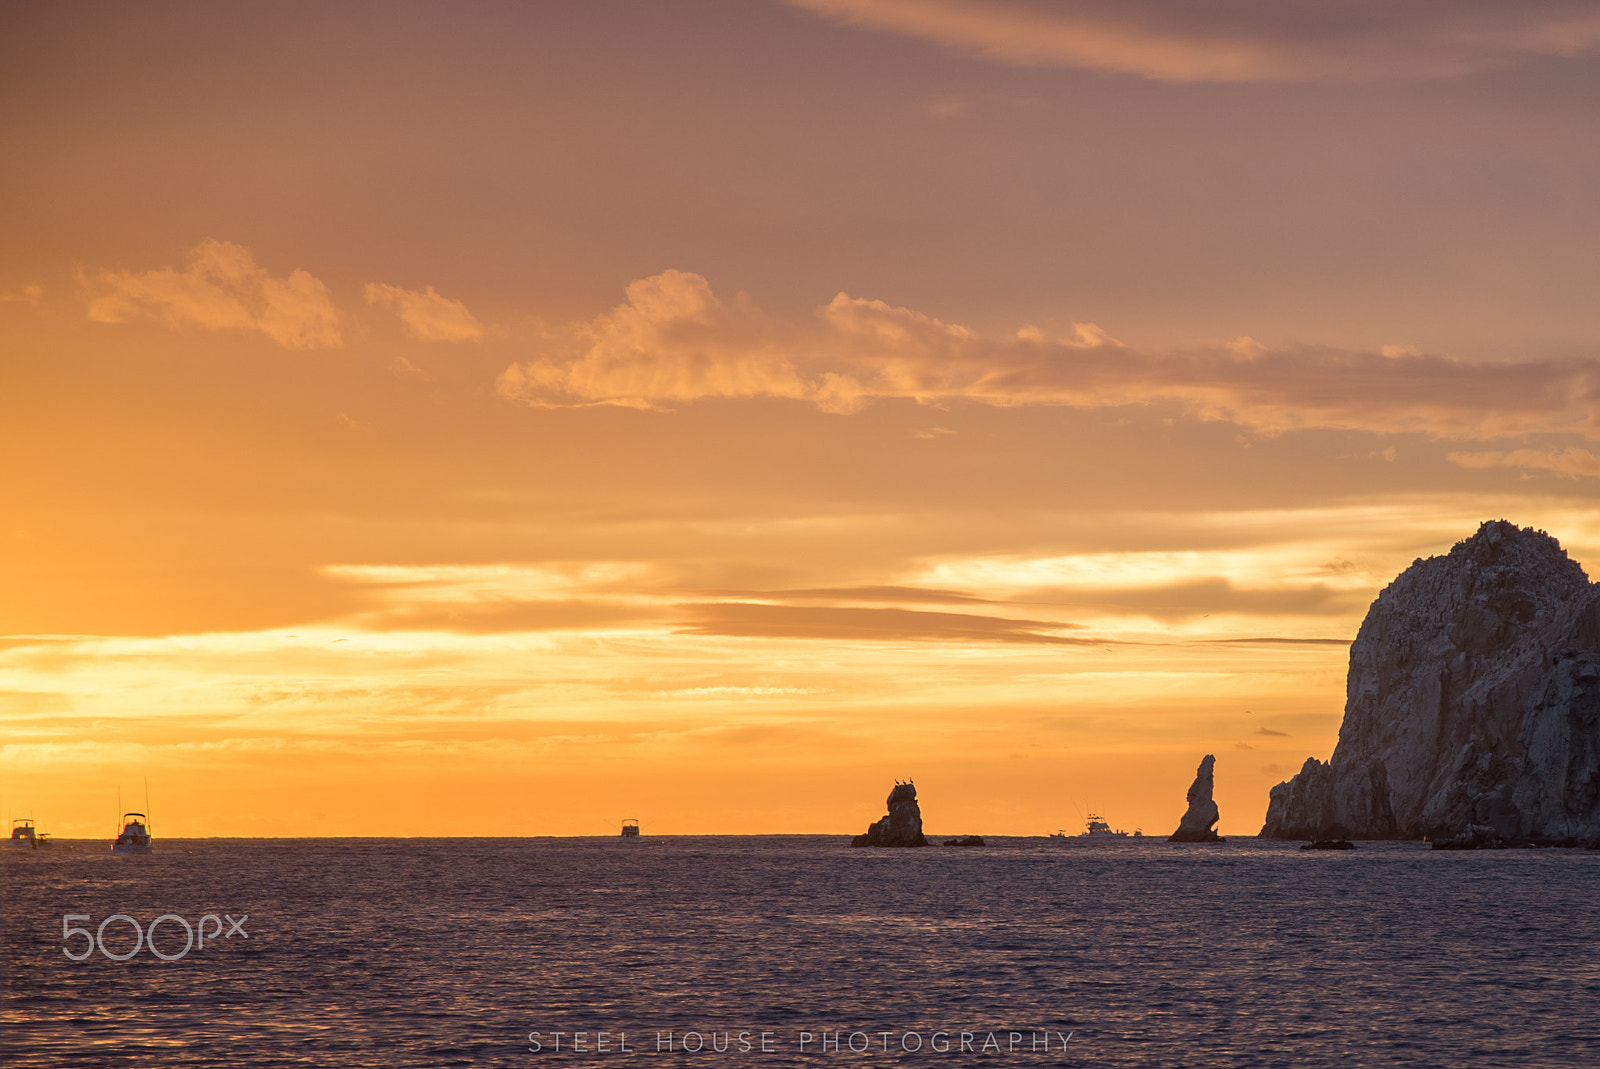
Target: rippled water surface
(432, 952)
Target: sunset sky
(504, 419)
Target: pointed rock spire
(1197, 823)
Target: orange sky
(507, 419)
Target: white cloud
(222, 288)
(674, 342)
(427, 315)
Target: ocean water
(426, 952)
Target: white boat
(1099, 829)
(25, 835)
(135, 836)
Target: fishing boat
(1059, 833)
(630, 829)
(24, 834)
(1099, 829)
(135, 836)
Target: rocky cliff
(903, 825)
(1472, 705)
(1198, 820)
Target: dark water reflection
(430, 952)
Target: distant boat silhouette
(1099, 829)
(135, 836)
(630, 828)
(24, 834)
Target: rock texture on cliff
(1197, 823)
(1472, 705)
(903, 825)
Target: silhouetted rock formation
(967, 840)
(1472, 714)
(1330, 844)
(903, 825)
(1196, 825)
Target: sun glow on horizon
(507, 421)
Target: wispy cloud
(754, 620)
(221, 288)
(32, 294)
(427, 315)
(1088, 600)
(1242, 40)
(674, 342)
(1570, 462)
(610, 595)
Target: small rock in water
(1330, 844)
(1477, 837)
(967, 840)
(1196, 825)
(903, 825)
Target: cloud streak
(1570, 462)
(675, 342)
(754, 620)
(221, 288)
(1242, 40)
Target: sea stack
(903, 825)
(1197, 823)
(1472, 711)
